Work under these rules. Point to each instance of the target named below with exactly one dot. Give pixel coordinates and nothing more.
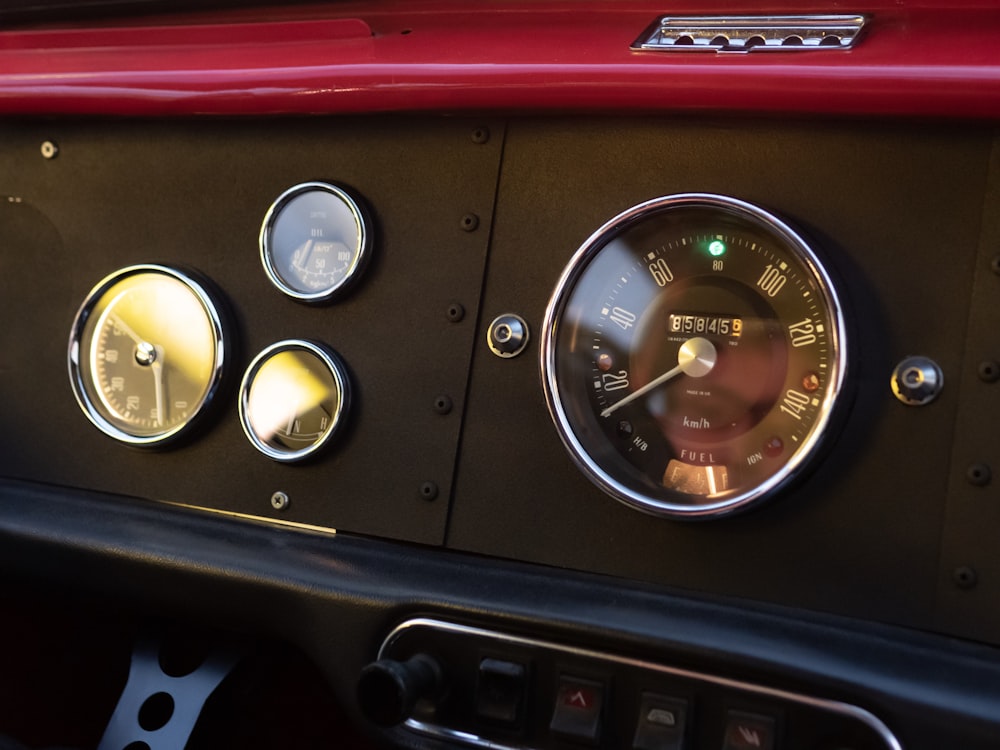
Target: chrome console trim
(836, 707)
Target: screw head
(989, 371)
(280, 501)
(50, 150)
(481, 135)
(428, 491)
(965, 577)
(507, 335)
(469, 223)
(443, 404)
(917, 381)
(456, 313)
(978, 475)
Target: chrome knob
(917, 381)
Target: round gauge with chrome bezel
(294, 398)
(146, 353)
(694, 351)
(315, 241)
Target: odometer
(693, 353)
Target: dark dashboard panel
(119, 194)
(968, 563)
(897, 213)
(860, 535)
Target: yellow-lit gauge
(315, 242)
(146, 354)
(293, 399)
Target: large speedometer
(693, 353)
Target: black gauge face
(293, 399)
(146, 354)
(694, 351)
(314, 242)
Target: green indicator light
(717, 249)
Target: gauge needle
(695, 358)
(290, 427)
(123, 327)
(157, 367)
(303, 254)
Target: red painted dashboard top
(914, 59)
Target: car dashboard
(470, 539)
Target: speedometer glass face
(146, 353)
(694, 351)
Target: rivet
(280, 501)
(443, 405)
(50, 150)
(428, 491)
(965, 577)
(979, 474)
(456, 313)
(989, 371)
(469, 223)
(481, 136)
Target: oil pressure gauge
(315, 242)
(293, 399)
(146, 353)
(694, 351)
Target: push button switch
(577, 714)
(749, 732)
(500, 692)
(662, 723)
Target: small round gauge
(315, 241)
(694, 351)
(293, 399)
(146, 353)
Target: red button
(749, 732)
(579, 697)
(577, 713)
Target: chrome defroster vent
(750, 33)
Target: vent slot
(751, 33)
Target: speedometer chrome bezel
(81, 366)
(804, 453)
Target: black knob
(388, 690)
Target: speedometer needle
(161, 403)
(122, 326)
(695, 358)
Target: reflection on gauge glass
(694, 351)
(315, 241)
(146, 353)
(293, 400)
